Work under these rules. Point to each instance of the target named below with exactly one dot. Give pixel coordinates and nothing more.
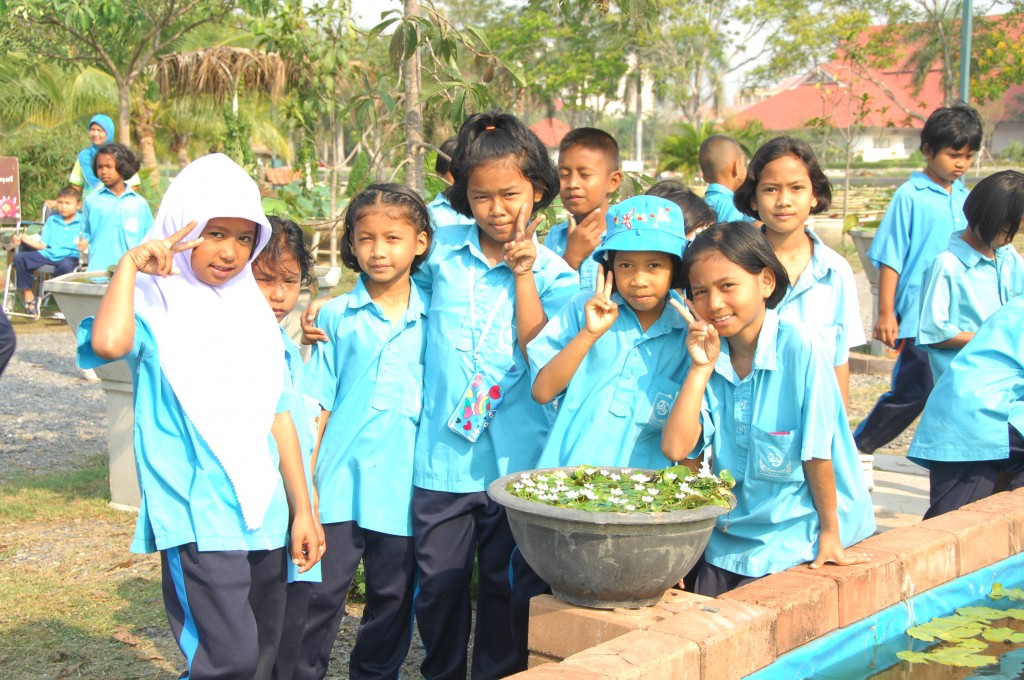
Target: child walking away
(588, 173)
(977, 274)
(210, 389)
(612, 356)
(56, 246)
(115, 216)
(724, 167)
(923, 214)
(758, 397)
(784, 186)
(493, 288)
(281, 271)
(969, 436)
(368, 380)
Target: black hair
(286, 237)
(777, 148)
(678, 280)
(997, 202)
(594, 139)
(398, 201)
(125, 162)
(444, 156)
(712, 156)
(70, 190)
(495, 136)
(696, 213)
(954, 127)
(742, 244)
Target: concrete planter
(78, 296)
(862, 239)
(606, 560)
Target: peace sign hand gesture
(521, 251)
(600, 311)
(702, 342)
(156, 257)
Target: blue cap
(644, 223)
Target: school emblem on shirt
(660, 408)
(773, 463)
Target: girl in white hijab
(211, 388)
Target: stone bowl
(606, 560)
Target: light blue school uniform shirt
(720, 199)
(369, 375)
(558, 240)
(614, 408)
(187, 496)
(761, 429)
(967, 412)
(961, 289)
(465, 292)
(304, 412)
(443, 214)
(824, 298)
(114, 225)
(915, 229)
(60, 237)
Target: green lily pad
(981, 613)
(1003, 635)
(914, 657)
(949, 628)
(999, 592)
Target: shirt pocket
(775, 456)
(401, 389)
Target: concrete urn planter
(78, 295)
(606, 560)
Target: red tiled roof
(825, 92)
(550, 131)
(282, 176)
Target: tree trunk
(413, 116)
(124, 112)
(147, 146)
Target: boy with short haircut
(588, 172)
(57, 245)
(724, 167)
(441, 211)
(917, 225)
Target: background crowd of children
(663, 328)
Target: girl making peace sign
(210, 389)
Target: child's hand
(83, 246)
(830, 551)
(307, 542)
(583, 238)
(601, 312)
(521, 251)
(702, 342)
(156, 257)
(887, 329)
(310, 333)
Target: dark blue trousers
(954, 485)
(896, 409)
(449, 530)
(386, 629)
(289, 652)
(226, 609)
(8, 341)
(26, 262)
(525, 586)
(712, 581)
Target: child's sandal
(32, 309)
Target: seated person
(57, 246)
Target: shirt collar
(714, 188)
(964, 252)
(669, 320)
(360, 297)
(105, 188)
(765, 356)
(922, 181)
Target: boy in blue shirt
(724, 167)
(588, 175)
(442, 214)
(56, 246)
(923, 214)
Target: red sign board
(10, 191)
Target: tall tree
(119, 37)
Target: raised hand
(702, 342)
(600, 311)
(156, 257)
(521, 251)
(583, 238)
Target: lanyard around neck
(498, 304)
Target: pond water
(880, 637)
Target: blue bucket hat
(644, 223)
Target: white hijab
(220, 347)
